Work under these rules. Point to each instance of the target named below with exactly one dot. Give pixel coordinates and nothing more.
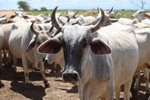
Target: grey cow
(100, 61)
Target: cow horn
(33, 30)
(2, 16)
(61, 13)
(66, 12)
(54, 22)
(100, 22)
(110, 10)
(98, 9)
(76, 13)
(50, 30)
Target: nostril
(74, 76)
(64, 76)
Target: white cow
(23, 42)
(1, 45)
(7, 31)
(143, 39)
(87, 19)
(4, 20)
(140, 15)
(88, 60)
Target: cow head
(38, 38)
(108, 19)
(4, 20)
(71, 15)
(76, 41)
(19, 14)
(140, 15)
(2, 16)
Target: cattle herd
(99, 54)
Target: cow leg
(15, 63)
(10, 59)
(43, 74)
(53, 67)
(110, 93)
(146, 77)
(117, 93)
(133, 90)
(26, 69)
(5, 58)
(1, 62)
(127, 89)
(1, 84)
(137, 81)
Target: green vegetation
(124, 13)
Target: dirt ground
(7, 13)
(14, 88)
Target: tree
(140, 3)
(43, 9)
(35, 9)
(23, 5)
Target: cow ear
(47, 21)
(146, 15)
(98, 47)
(31, 44)
(33, 21)
(13, 16)
(25, 17)
(10, 21)
(51, 46)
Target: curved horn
(98, 9)
(32, 29)
(66, 12)
(40, 28)
(54, 22)
(110, 10)
(60, 21)
(76, 13)
(100, 22)
(2, 16)
(61, 13)
(51, 29)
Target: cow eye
(38, 43)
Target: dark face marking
(74, 44)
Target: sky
(73, 4)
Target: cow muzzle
(70, 76)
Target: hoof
(1, 85)
(52, 71)
(46, 84)
(147, 94)
(27, 85)
(134, 93)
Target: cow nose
(71, 77)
